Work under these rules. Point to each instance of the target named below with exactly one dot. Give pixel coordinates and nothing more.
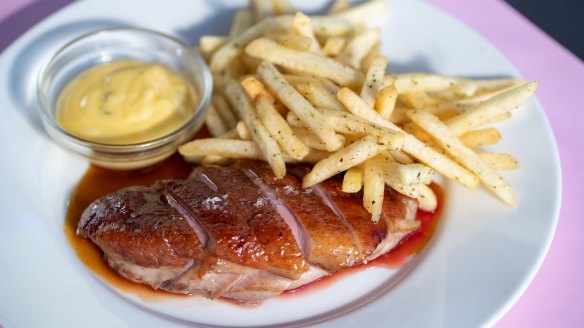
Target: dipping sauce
(125, 102)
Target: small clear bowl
(110, 45)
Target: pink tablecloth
(556, 296)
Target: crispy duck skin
(238, 232)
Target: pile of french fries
(291, 88)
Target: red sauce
(98, 182)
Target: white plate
(482, 258)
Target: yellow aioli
(125, 102)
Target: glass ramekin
(105, 46)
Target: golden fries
(452, 145)
(313, 119)
(353, 180)
(499, 161)
(319, 96)
(292, 88)
(478, 138)
(427, 199)
(358, 48)
(373, 80)
(269, 147)
(305, 62)
(221, 147)
(486, 111)
(353, 154)
(302, 26)
(385, 101)
(214, 123)
(373, 187)
(279, 130)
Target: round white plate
(481, 259)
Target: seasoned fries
(353, 180)
(279, 130)
(493, 108)
(373, 80)
(269, 147)
(299, 105)
(294, 88)
(373, 187)
(305, 62)
(465, 156)
(353, 154)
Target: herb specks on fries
(291, 88)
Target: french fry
(333, 46)
(307, 138)
(373, 187)
(427, 199)
(242, 20)
(418, 100)
(255, 88)
(301, 25)
(329, 26)
(269, 147)
(210, 43)
(453, 146)
(224, 111)
(296, 42)
(439, 162)
(318, 96)
(327, 84)
(410, 174)
(349, 124)
(359, 107)
(221, 147)
(492, 108)
(373, 80)
(499, 161)
(419, 82)
(231, 134)
(353, 180)
(401, 157)
(398, 116)
(286, 93)
(358, 47)
(314, 156)
(483, 137)
(385, 101)
(411, 145)
(465, 90)
(306, 62)
(242, 131)
(279, 130)
(214, 123)
(294, 121)
(353, 154)
(371, 54)
(417, 132)
(395, 184)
